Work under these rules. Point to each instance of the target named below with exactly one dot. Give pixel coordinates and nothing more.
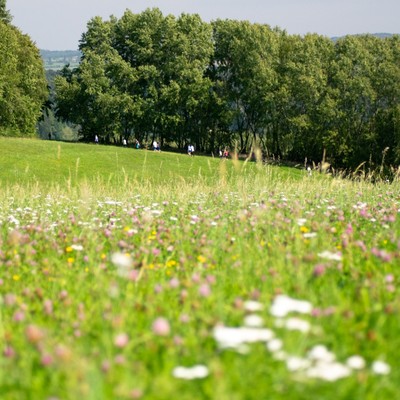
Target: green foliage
(236, 84)
(23, 87)
(140, 75)
(5, 15)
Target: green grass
(201, 237)
(51, 163)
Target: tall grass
(118, 266)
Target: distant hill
(379, 35)
(57, 59)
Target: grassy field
(129, 274)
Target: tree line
(235, 84)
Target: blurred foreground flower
(34, 334)
(283, 305)
(253, 306)
(355, 362)
(380, 368)
(328, 255)
(123, 262)
(235, 337)
(121, 340)
(161, 327)
(328, 371)
(195, 372)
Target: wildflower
(10, 299)
(283, 305)
(184, 318)
(321, 353)
(328, 371)
(389, 278)
(274, 345)
(174, 283)
(319, 270)
(380, 368)
(46, 360)
(62, 352)
(34, 334)
(121, 340)
(201, 259)
(355, 362)
(19, 316)
(161, 327)
(234, 337)
(205, 290)
(253, 320)
(9, 352)
(297, 363)
(121, 260)
(195, 372)
(76, 247)
(253, 306)
(171, 263)
(48, 307)
(294, 324)
(328, 255)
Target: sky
(59, 24)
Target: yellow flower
(126, 228)
(201, 259)
(103, 256)
(68, 249)
(70, 260)
(171, 263)
(304, 229)
(16, 277)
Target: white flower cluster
(318, 363)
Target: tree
(245, 63)
(5, 15)
(23, 87)
(307, 112)
(140, 75)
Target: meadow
(130, 274)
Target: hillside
(57, 59)
(49, 162)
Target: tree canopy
(23, 87)
(238, 84)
